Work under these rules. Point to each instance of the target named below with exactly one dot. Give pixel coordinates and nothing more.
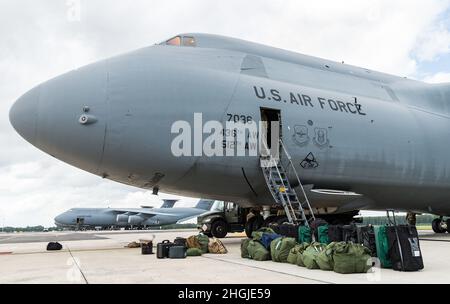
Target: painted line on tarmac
(434, 240)
(262, 268)
(78, 266)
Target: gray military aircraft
(86, 218)
(358, 139)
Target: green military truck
(228, 217)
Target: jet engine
(122, 218)
(135, 220)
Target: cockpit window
(185, 41)
(189, 41)
(176, 41)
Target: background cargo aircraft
(359, 139)
(130, 217)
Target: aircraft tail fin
(168, 203)
(205, 204)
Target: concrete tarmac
(100, 257)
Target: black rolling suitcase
(162, 249)
(366, 237)
(404, 248)
(335, 233)
(349, 233)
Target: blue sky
(441, 61)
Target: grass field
(424, 227)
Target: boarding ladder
(276, 174)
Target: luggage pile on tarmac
(340, 248)
(192, 246)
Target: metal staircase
(276, 175)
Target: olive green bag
(244, 248)
(293, 255)
(204, 242)
(280, 248)
(194, 252)
(301, 250)
(257, 251)
(351, 258)
(310, 255)
(325, 259)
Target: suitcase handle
(166, 242)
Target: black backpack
(366, 237)
(349, 233)
(335, 233)
(404, 249)
(54, 246)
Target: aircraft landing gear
(411, 218)
(439, 226)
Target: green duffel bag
(322, 232)
(204, 242)
(244, 248)
(304, 234)
(310, 254)
(293, 254)
(257, 235)
(194, 252)
(382, 245)
(325, 259)
(351, 258)
(257, 251)
(280, 248)
(301, 250)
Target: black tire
(448, 225)
(436, 225)
(219, 229)
(253, 224)
(280, 220)
(271, 219)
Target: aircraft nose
(23, 115)
(66, 116)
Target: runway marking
(78, 266)
(270, 270)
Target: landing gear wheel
(219, 229)
(282, 219)
(253, 224)
(436, 225)
(271, 219)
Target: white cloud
(37, 42)
(438, 78)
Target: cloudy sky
(44, 38)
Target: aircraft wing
(145, 212)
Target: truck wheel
(219, 229)
(436, 225)
(253, 224)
